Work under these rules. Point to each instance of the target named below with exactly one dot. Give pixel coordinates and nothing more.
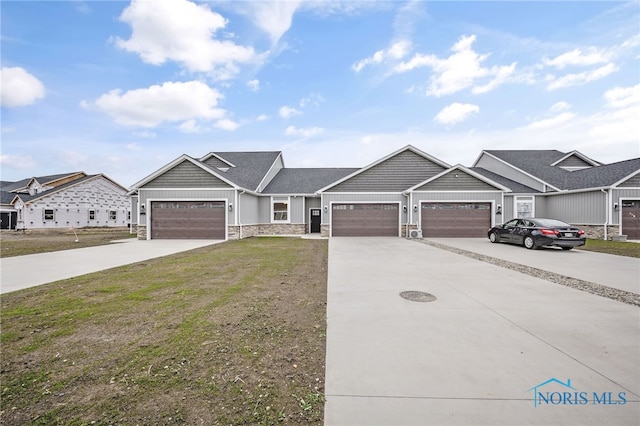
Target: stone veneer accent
(141, 232)
(233, 231)
(597, 231)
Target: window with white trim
(280, 209)
(524, 206)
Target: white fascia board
(522, 171)
(393, 154)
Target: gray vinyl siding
(277, 166)
(457, 180)
(508, 209)
(504, 170)
(249, 209)
(296, 209)
(186, 175)
(633, 182)
(187, 194)
(395, 174)
(586, 208)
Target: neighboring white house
(71, 200)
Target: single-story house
(68, 200)
(408, 193)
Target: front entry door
(315, 220)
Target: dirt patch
(228, 334)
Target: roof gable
(187, 174)
(459, 178)
(575, 161)
(394, 173)
(195, 173)
(26, 198)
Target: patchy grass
(620, 248)
(227, 334)
(15, 243)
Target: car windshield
(551, 223)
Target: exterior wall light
(415, 207)
(498, 209)
(615, 206)
(404, 209)
(230, 207)
(326, 209)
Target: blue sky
(123, 88)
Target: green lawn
(227, 334)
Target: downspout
(606, 213)
(238, 211)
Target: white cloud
(314, 99)
(19, 88)
(288, 112)
(303, 132)
(191, 126)
(16, 161)
(458, 71)
(551, 122)
(622, 97)
(578, 79)
(262, 117)
(560, 106)
(226, 124)
(170, 102)
(273, 17)
(577, 57)
(182, 31)
(253, 85)
(396, 51)
(455, 113)
(145, 134)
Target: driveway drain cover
(418, 296)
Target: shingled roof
(540, 163)
(305, 180)
(248, 170)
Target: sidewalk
(22, 272)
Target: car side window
(511, 223)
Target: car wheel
(493, 237)
(567, 248)
(529, 243)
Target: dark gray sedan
(537, 232)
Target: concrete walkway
(475, 355)
(22, 272)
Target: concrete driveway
(495, 347)
(21, 272)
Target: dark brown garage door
(365, 220)
(456, 219)
(631, 219)
(188, 220)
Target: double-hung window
(280, 209)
